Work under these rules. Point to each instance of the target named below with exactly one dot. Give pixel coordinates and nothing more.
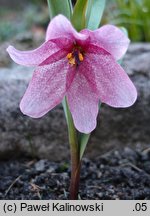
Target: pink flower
(81, 66)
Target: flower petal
(61, 26)
(47, 88)
(83, 103)
(110, 38)
(113, 84)
(34, 57)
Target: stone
(4, 60)
(47, 137)
(40, 165)
(129, 126)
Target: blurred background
(120, 146)
(32, 15)
(23, 25)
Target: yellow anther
(75, 57)
(72, 61)
(69, 55)
(80, 57)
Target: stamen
(72, 61)
(75, 57)
(69, 55)
(80, 56)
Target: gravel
(119, 174)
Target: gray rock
(47, 137)
(40, 165)
(4, 60)
(130, 126)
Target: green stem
(75, 153)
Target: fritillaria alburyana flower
(81, 66)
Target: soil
(118, 174)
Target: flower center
(75, 57)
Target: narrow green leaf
(88, 11)
(71, 128)
(125, 31)
(78, 17)
(60, 7)
(95, 9)
(66, 110)
(71, 6)
(84, 138)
